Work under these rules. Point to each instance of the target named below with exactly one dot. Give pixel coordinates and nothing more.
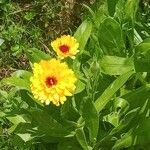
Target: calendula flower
(65, 46)
(52, 81)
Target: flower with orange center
(52, 81)
(65, 46)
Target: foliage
(110, 107)
(30, 24)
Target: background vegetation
(33, 24)
(103, 118)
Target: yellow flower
(65, 46)
(52, 81)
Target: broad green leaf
(142, 65)
(14, 81)
(90, 115)
(36, 55)
(29, 99)
(124, 142)
(119, 12)
(110, 37)
(23, 74)
(125, 122)
(81, 138)
(137, 97)
(131, 7)
(90, 10)
(69, 144)
(79, 100)
(136, 103)
(80, 86)
(112, 118)
(144, 47)
(104, 138)
(68, 111)
(16, 120)
(114, 65)
(20, 79)
(137, 38)
(139, 135)
(47, 125)
(98, 13)
(111, 6)
(25, 137)
(130, 121)
(83, 33)
(111, 90)
(120, 105)
(101, 12)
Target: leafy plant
(110, 107)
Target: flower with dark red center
(65, 46)
(52, 81)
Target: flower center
(64, 48)
(50, 81)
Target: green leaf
(69, 144)
(137, 97)
(68, 111)
(101, 12)
(14, 81)
(110, 37)
(36, 55)
(83, 33)
(47, 125)
(114, 65)
(81, 138)
(80, 86)
(16, 120)
(112, 118)
(138, 103)
(142, 65)
(144, 47)
(139, 135)
(111, 90)
(125, 122)
(23, 74)
(124, 142)
(120, 105)
(90, 115)
(29, 99)
(3, 94)
(112, 6)
(1, 41)
(20, 79)
(90, 10)
(138, 39)
(25, 137)
(131, 9)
